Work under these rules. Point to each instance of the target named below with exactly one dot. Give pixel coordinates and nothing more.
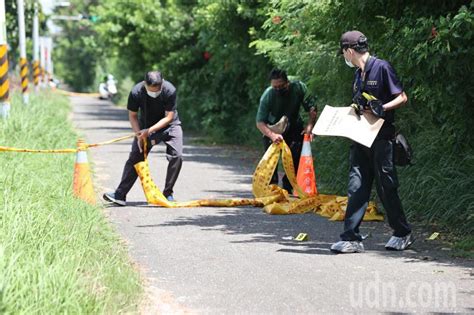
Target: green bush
(430, 47)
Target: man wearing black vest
(153, 115)
(377, 79)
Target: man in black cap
(153, 115)
(377, 79)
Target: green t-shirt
(273, 106)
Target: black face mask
(282, 92)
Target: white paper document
(344, 122)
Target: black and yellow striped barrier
(24, 75)
(36, 73)
(4, 83)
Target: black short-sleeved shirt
(150, 109)
(382, 82)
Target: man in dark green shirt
(285, 98)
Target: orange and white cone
(305, 177)
(82, 183)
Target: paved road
(241, 260)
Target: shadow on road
(261, 227)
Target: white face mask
(350, 64)
(153, 94)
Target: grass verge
(57, 254)
(464, 247)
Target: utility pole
(4, 84)
(36, 70)
(23, 61)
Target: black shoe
(112, 198)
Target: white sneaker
(345, 247)
(399, 243)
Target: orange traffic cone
(82, 183)
(305, 177)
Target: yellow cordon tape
(110, 141)
(9, 149)
(83, 147)
(76, 93)
(272, 198)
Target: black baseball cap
(354, 39)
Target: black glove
(359, 100)
(357, 109)
(376, 106)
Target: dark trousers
(367, 164)
(295, 141)
(173, 138)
